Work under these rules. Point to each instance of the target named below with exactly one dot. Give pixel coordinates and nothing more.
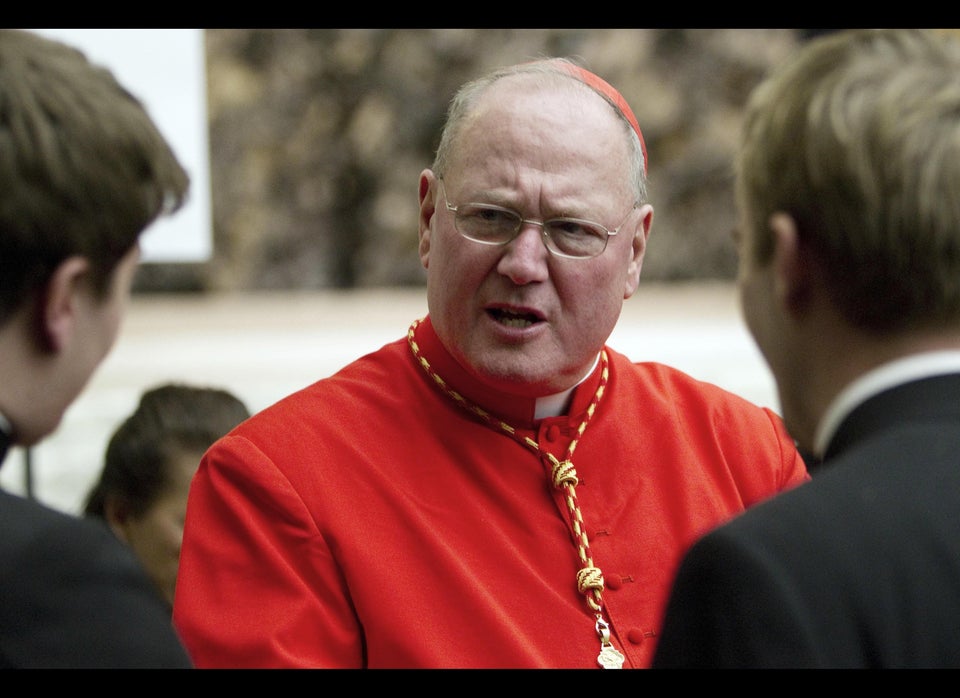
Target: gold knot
(589, 579)
(564, 474)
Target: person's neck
(518, 410)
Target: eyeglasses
(573, 238)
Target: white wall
(166, 70)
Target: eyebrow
(490, 197)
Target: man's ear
(116, 512)
(638, 249)
(791, 266)
(428, 182)
(61, 302)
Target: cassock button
(613, 582)
(636, 636)
(553, 433)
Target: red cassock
(371, 520)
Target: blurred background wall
(317, 138)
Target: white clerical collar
(555, 405)
(877, 380)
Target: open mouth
(512, 319)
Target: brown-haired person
(848, 182)
(497, 487)
(149, 462)
(83, 171)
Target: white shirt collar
(877, 380)
(554, 405)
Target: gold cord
(563, 476)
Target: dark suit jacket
(860, 567)
(73, 596)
